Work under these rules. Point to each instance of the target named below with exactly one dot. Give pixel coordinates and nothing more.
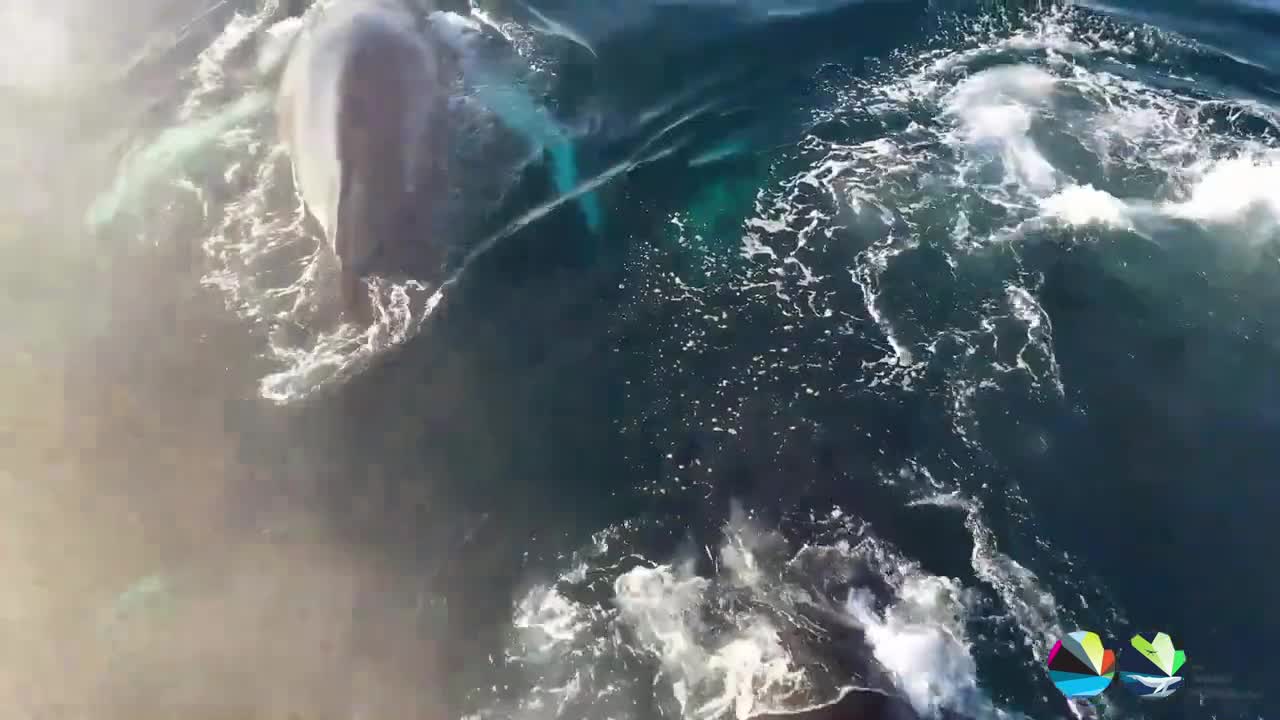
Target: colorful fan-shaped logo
(1079, 666)
(1152, 671)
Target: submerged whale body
(361, 110)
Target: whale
(362, 111)
(365, 110)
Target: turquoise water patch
(710, 229)
(141, 600)
(174, 151)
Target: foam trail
(551, 26)
(506, 98)
(723, 151)
(169, 154)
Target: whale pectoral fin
(497, 84)
(564, 170)
(517, 109)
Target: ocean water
(914, 335)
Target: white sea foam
(920, 640)
(1233, 190)
(1240, 191)
(995, 109)
(1049, 36)
(1032, 607)
(1024, 597)
(664, 608)
(714, 660)
(1004, 118)
(723, 644)
(1039, 328)
(1087, 205)
(548, 620)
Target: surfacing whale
(362, 111)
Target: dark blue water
(776, 382)
(917, 335)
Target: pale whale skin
(361, 110)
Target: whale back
(361, 109)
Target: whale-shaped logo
(1150, 670)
